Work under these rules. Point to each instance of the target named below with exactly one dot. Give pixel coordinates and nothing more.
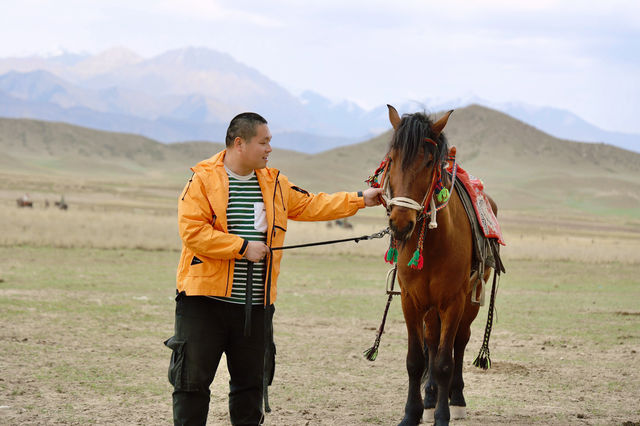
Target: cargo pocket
(176, 366)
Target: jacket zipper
(228, 270)
(281, 196)
(188, 186)
(273, 226)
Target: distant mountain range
(192, 93)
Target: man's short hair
(243, 126)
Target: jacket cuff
(243, 249)
(359, 199)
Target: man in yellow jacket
(230, 213)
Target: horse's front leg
(443, 366)
(415, 363)
(431, 339)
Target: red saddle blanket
(487, 220)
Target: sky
(583, 56)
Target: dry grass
(553, 239)
(596, 249)
(83, 338)
(88, 229)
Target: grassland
(82, 333)
(86, 295)
(86, 299)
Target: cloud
(215, 11)
(564, 53)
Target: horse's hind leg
(457, 403)
(415, 363)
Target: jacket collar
(213, 175)
(217, 161)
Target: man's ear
(237, 142)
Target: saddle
(485, 231)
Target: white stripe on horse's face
(407, 189)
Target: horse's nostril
(407, 229)
(401, 233)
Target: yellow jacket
(202, 224)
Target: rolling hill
(522, 167)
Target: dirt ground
(82, 329)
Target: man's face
(255, 152)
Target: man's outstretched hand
(372, 197)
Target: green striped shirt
(246, 218)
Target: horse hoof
(458, 412)
(429, 415)
(409, 422)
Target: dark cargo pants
(204, 329)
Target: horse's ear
(394, 117)
(438, 126)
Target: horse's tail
(483, 360)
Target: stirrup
(474, 299)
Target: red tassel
(420, 262)
(391, 256)
(386, 257)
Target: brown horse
(436, 299)
(24, 203)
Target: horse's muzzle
(401, 233)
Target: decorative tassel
(416, 260)
(372, 353)
(443, 195)
(373, 179)
(391, 256)
(483, 360)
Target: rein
(374, 236)
(372, 353)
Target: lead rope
(248, 300)
(373, 236)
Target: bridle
(426, 208)
(427, 203)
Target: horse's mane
(408, 139)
